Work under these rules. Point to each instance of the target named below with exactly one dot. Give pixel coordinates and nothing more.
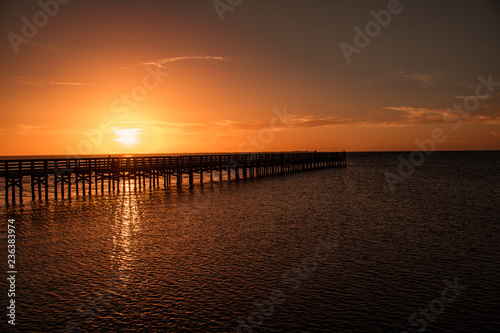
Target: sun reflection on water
(126, 225)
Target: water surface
(180, 260)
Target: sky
(114, 77)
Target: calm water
(331, 250)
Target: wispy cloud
(419, 116)
(25, 80)
(221, 125)
(389, 117)
(70, 83)
(490, 97)
(309, 121)
(162, 62)
(414, 115)
(232, 127)
(44, 46)
(34, 81)
(426, 80)
(29, 129)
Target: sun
(127, 136)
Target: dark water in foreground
(331, 250)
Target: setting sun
(127, 136)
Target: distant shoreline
(27, 157)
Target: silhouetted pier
(87, 175)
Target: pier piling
(95, 171)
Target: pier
(64, 177)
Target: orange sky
(268, 77)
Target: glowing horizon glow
(127, 136)
(193, 84)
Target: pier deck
(87, 174)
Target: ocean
(330, 250)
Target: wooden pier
(98, 175)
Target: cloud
(221, 125)
(170, 127)
(426, 80)
(232, 127)
(388, 117)
(420, 116)
(25, 80)
(310, 121)
(34, 81)
(401, 116)
(490, 97)
(407, 116)
(28, 129)
(44, 46)
(70, 83)
(161, 63)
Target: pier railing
(112, 170)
